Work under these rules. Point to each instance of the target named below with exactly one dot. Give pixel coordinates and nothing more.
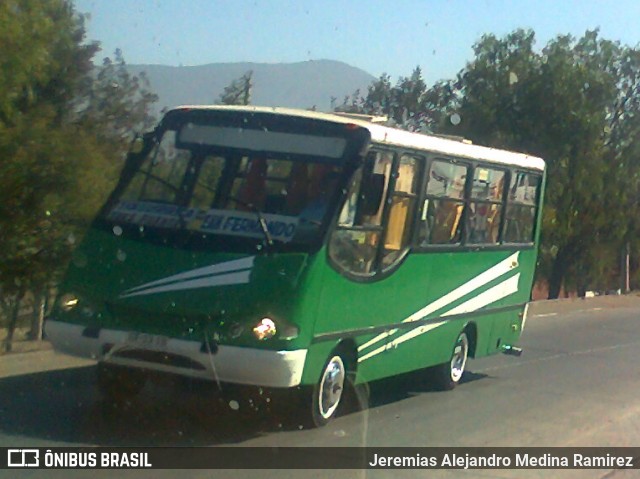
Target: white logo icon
(23, 457)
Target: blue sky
(375, 35)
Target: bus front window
(225, 191)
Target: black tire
(322, 402)
(119, 384)
(328, 393)
(448, 375)
(302, 406)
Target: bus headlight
(68, 301)
(265, 329)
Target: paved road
(576, 385)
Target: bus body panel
(114, 276)
(412, 316)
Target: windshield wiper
(261, 221)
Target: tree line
(66, 123)
(576, 103)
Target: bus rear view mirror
(372, 192)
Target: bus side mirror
(371, 194)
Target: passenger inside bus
(253, 190)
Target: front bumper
(249, 366)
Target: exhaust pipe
(512, 350)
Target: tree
(64, 127)
(408, 105)
(239, 91)
(575, 103)
(114, 103)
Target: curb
(631, 300)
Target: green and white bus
(298, 251)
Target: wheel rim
(459, 358)
(331, 387)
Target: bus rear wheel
(449, 374)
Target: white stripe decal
(491, 295)
(240, 277)
(372, 353)
(492, 273)
(405, 337)
(524, 316)
(225, 267)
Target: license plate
(147, 341)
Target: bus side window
(520, 215)
(485, 207)
(353, 245)
(403, 207)
(444, 204)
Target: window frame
(425, 161)
(379, 229)
(465, 246)
(423, 196)
(379, 271)
(502, 202)
(421, 162)
(536, 207)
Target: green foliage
(64, 128)
(407, 104)
(115, 104)
(41, 46)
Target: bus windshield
(221, 180)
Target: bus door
(370, 240)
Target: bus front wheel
(449, 374)
(328, 394)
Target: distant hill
(296, 85)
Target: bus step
(512, 350)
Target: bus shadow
(405, 386)
(65, 406)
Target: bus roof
(385, 135)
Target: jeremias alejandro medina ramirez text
(489, 461)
